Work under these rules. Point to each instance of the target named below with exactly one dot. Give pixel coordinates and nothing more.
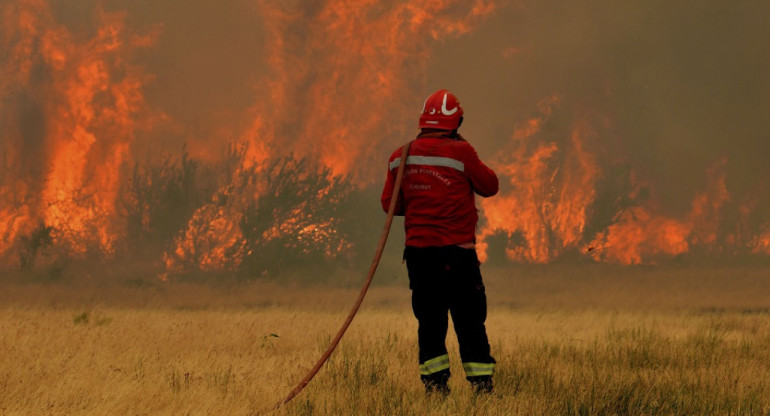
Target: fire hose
(375, 262)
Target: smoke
(682, 84)
(672, 95)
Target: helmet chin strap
(454, 134)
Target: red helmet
(442, 111)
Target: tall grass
(195, 349)
(626, 368)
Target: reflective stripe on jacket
(437, 192)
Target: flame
(637, 236)
(343, 79)
(89, 103)
(204, 243)
(551, 195)
(762, 246)
(546, 202)
(92, 131)
(640, 236)
(337, 74)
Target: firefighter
(441, 176)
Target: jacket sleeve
(483, 179)
(390, 182)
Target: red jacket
(437, 191)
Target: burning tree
(297, 221)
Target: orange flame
(336, 73)
(638, 236)
(547, 202)
(72, 106)
(553, 188)
(88, 107)
(762, 245)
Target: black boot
(481, 384)
(436, 384)
(438, 390)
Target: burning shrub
(296, 220)
(39, 256)
(160, 199)
(32, 244)
(269, 218)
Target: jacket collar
(436, 134)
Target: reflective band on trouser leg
(434, 365)
(479, 369)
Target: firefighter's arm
(387, 191)
(483, 179)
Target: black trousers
(448, 280)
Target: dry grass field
(588, 340)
